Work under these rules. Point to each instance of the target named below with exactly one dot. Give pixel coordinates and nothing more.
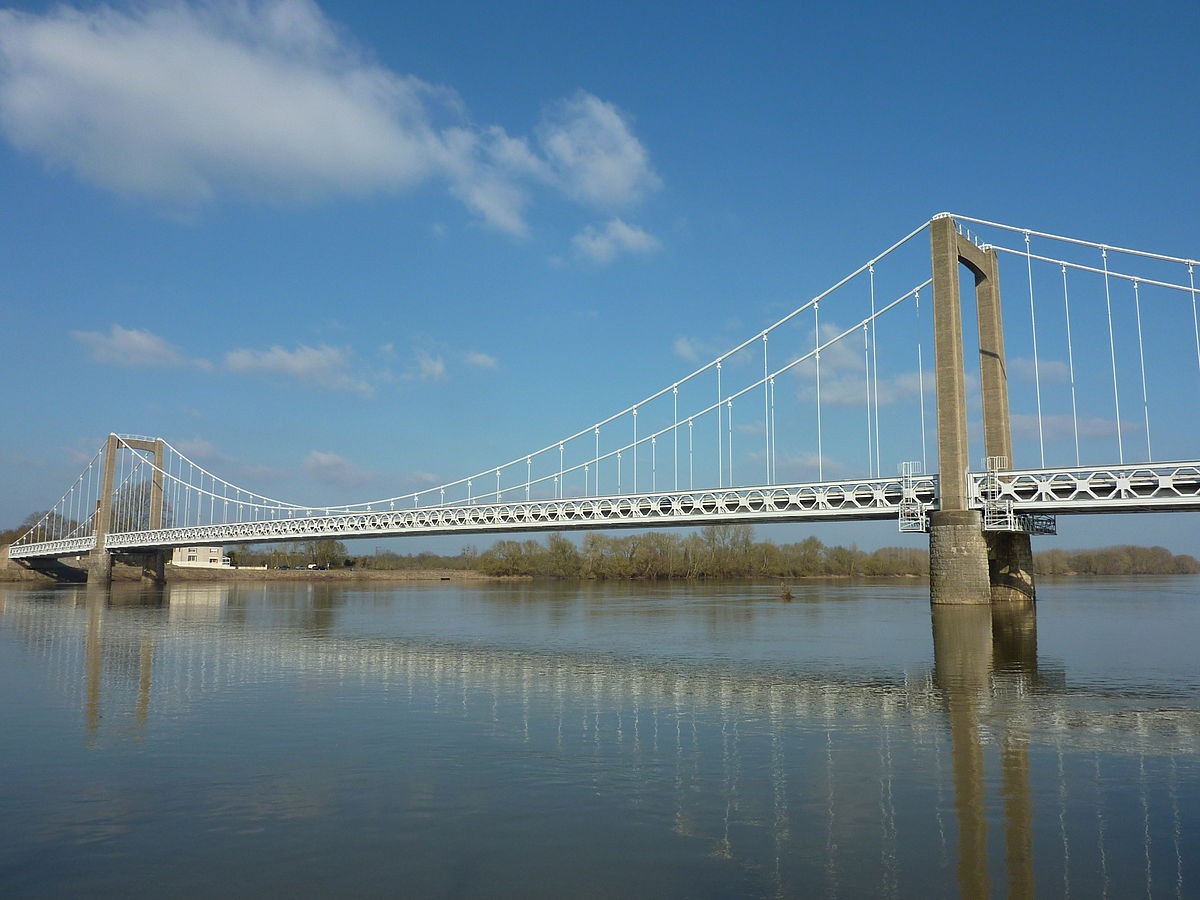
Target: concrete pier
(1010, 567)
(99, 568)
(958, 558)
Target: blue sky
(344, 252)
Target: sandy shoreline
(13, 573)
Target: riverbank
(12, 572)
(230, 573)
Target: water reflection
(971, 646)
(804, 777)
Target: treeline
(716, 551)
(730, 551)
(1121, 560)
(18, 531)
(292, 554)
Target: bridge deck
(1153, 487)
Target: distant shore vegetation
(715, 551)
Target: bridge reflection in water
(971, 775)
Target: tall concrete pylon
(967, 565)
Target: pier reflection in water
(484, 742)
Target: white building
(199, 557)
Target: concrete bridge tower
(966, 564)
(100, 561)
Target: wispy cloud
(330, 468)
(690, 348)
(802, 466)
(602, 243)
(324, 366)
(1050, 370)
(429, 366)
(480, 360)
(1058, 426)
(844, 375)
(199, 449)
(184, 103)
(134, 348)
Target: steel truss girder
(826, 501)
(1145, 487)
(61, 547)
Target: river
(583, 740)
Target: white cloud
(334, 469)
(594, 155)
(134, 348)
(480, 360)
(430, 367)
(324, 366)
(178, 101)
(602, 243)
(184, 103)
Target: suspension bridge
(750, 436)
